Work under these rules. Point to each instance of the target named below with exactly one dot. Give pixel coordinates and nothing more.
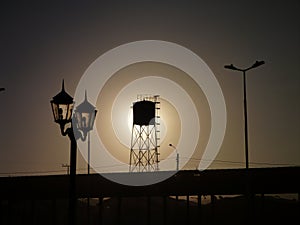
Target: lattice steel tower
(145, 134)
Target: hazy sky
(43, 42)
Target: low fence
(44, 199)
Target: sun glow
(161, 68)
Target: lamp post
(248, 192)
(62, 107)
(232, 67)
(177, 156)
(84, 118)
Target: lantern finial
(63, 85)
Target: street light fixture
(232, 67)
(62, 107)
(84, 118)
(177, 156)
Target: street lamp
(84, 118)
(177, 156)
(62, 107)
(232, 67)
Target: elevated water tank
(144, 113)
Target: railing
(43, 199)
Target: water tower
(145, 134)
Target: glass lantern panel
(78, 120)
(62, 111)
(69, 111)
(85, 121)
(54, 111)
(92, 119)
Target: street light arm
(72, 133)
(173, 147)
(257, 64)
(232, 67)
(62, 129)
(69, 131)
(81, 135)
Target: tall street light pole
(232, 67)
(177, 156)
(248, 191)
